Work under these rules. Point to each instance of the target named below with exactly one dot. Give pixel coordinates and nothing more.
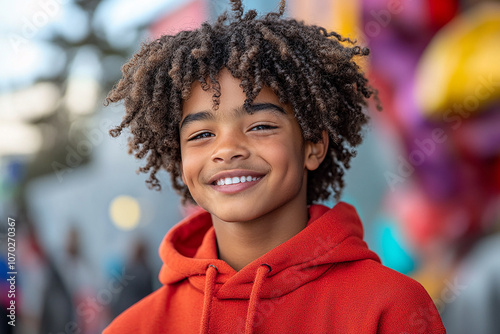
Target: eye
(261, 127)
(201, 136)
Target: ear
(315, 153)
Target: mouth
(234, 181)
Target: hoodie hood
(322, 280)
(331, 236)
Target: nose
(229, 147)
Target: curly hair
(306, 66)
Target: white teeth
(235, 180)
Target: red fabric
(209, 295)
(323, 280)
(255, 297)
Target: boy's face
(240, 166)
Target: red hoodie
(323, 280)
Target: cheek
(285, 156)
(192, 164)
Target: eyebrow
(256, 107)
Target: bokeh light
(125, 212)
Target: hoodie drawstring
(211, 275)
(262, 271)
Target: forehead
(232, 96)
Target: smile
(235, 180)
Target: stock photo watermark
(378, 20)
(449, 293)
(31, 24)
(424, 316)
(75, 154)
(11, 271)
(453, 118)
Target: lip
(235, 188)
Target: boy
(255, 120)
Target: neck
(240, 243)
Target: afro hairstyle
(306, 66)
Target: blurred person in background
(70, 286)
(58, 310)
(140, 285)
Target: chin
(230, 216)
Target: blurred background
(426, 181)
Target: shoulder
(386, 279)
(386, 285)
(372, 273)
(140, 315)
(401, 303)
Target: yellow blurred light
(125, 212)
(459, 67)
